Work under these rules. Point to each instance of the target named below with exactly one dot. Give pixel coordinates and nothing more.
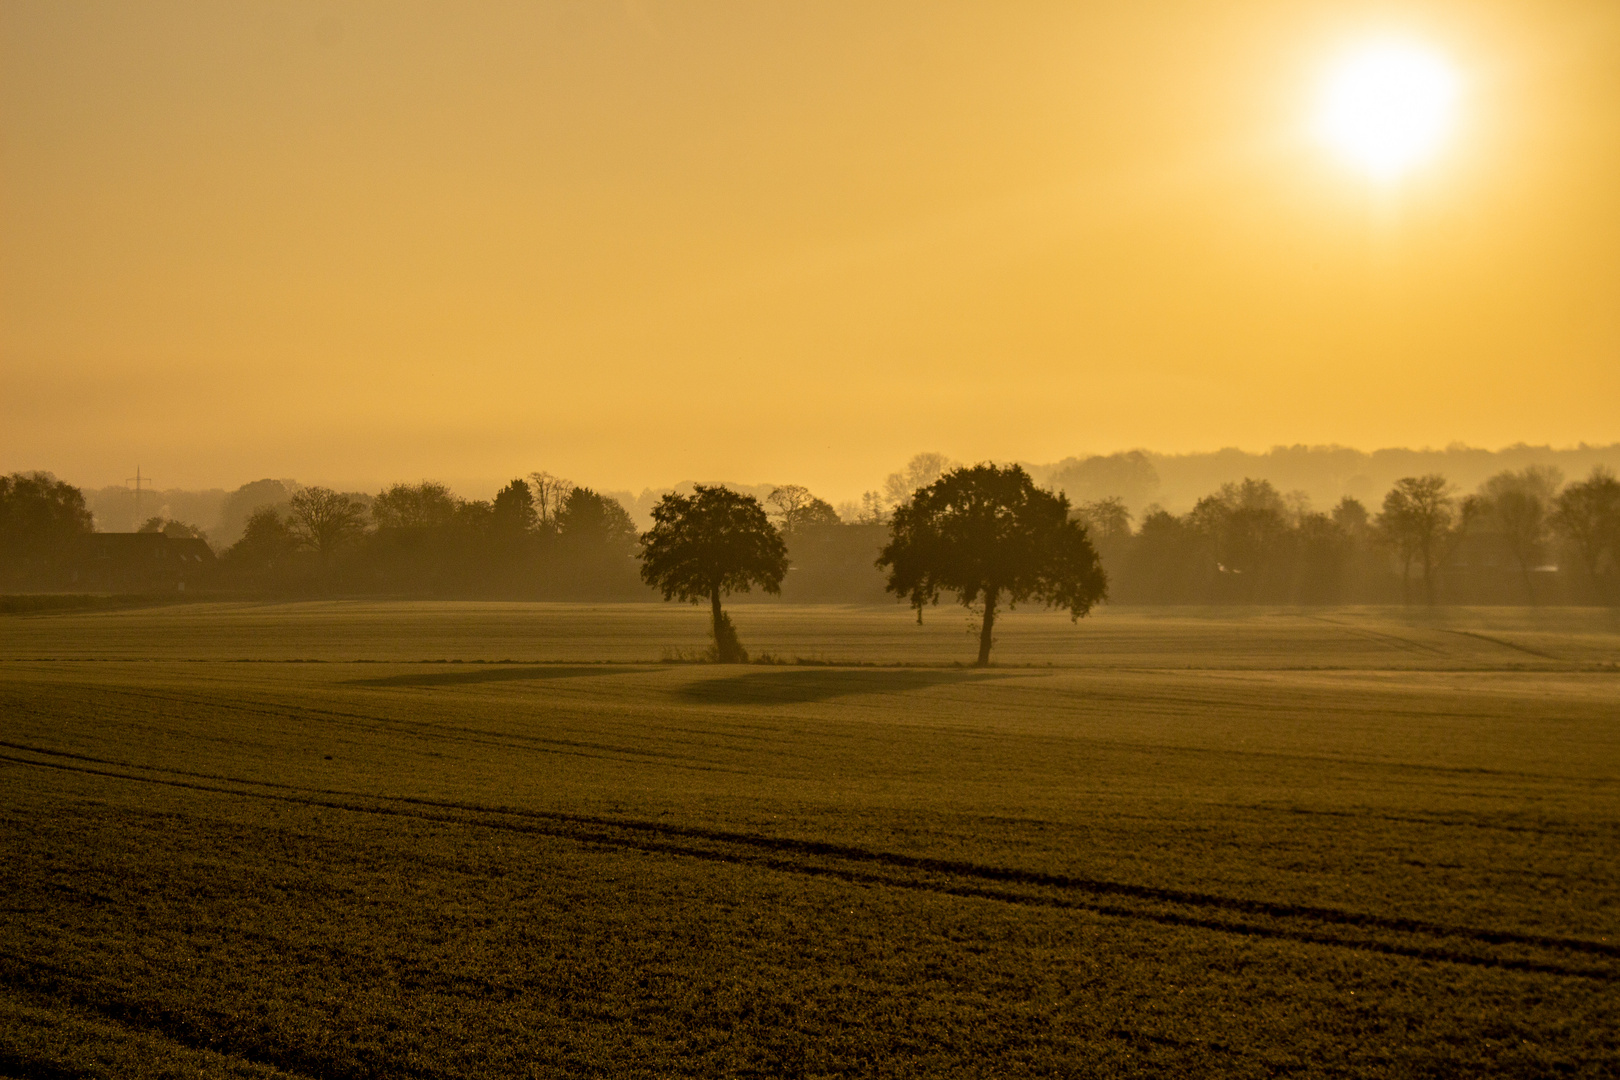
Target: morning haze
(555, 539)
(358, 243)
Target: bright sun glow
(1387, 107)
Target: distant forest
(1140, 478)
(1292, 526)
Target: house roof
(150, 545)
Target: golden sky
(635, 243)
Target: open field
(1348, 842)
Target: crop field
(503, 840)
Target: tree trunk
(1428, 576)
(716, 616)
(990, 597)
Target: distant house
(140, 562)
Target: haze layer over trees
(1529, 534)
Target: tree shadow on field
(493, 673)
(794, 687)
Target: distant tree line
(421, 539)
(540, 537)
(1523, 537)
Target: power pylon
(137, 480)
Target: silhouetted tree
(414, 506)
(1419, 514)
(233, 514)
(1323, 553)
(1105, 519)
(986, 533)
(1166, 561)
(41, 519)
(1246, 527)
(324, 519)
(513, 511)
(1520, 504)
(797, 509)
(1108, 525)
(1362, 567)
(267, 542)
(708, 545)
(588, 519)
(1351, 516)
(473, 518)
(1587, 514)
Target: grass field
(491, 840)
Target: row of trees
(538, 537)
(542, 536)
(989, 535)
(986, 534)
(1523, 537)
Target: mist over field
(1325, 474)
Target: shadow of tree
(492, 673)
(791, 687)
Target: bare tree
(550, 492)
(786, 502)
(324, 519)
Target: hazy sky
(633, 243)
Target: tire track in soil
(941, 876)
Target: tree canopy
(1587, 513)
(513, 512)
(414, 506)
(988, 534)
(40, 518)
(586, 517)
(1418, 517)
(1521, 504)
(267, 540)
(797, 509)
(325, 519)
(710, 544)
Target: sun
(1386, 108)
